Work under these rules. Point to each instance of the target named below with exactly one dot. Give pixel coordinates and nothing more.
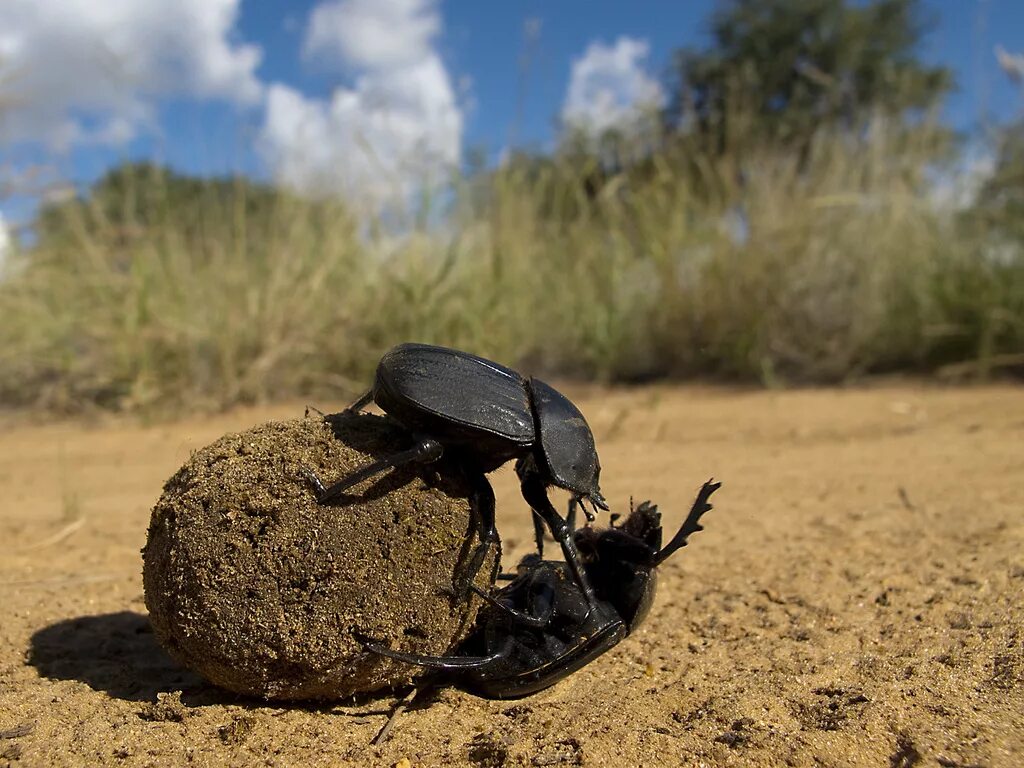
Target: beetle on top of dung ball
(482, 415)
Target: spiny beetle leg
(692, 523)
(363, 400)
(481, 502)
(520, 617)
(535, 493)
(426, 451)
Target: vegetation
(780, 71)
(781, 226)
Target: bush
(156, 292)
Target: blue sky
(358, 96)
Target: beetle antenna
(692, 522)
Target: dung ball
(261, 590)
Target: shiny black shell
(565, 440)
(471, 403)
(459, 398)
(538, 658)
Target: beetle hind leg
(481, 502)
(353, 410)
(424, 452)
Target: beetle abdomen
(424, 386)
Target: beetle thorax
(565, 442)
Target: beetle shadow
(117, 654)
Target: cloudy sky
(364, 97)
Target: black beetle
(539, 629)
(483, 415)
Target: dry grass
(821, 270)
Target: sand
(855, 598)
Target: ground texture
(857, 598)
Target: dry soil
(855, 599)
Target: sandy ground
(856, 599)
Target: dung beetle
(539, 629)
(482, 415)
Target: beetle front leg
(570, 520)
(536, 495)
(691, 524)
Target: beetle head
(566, 444)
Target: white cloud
(372, 33)
(397, 125)
(87, 71)
(609, 88)
(1011, 63)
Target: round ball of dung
(263, 591)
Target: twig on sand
(400, 707)
(68, 530)
(905, 499)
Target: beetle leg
(541, 619)
(535, 493)
(359, 404)
(538, 533)
(481, 500)
(453, 663)
(692, 522)
(424, 452)
(577, 503)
